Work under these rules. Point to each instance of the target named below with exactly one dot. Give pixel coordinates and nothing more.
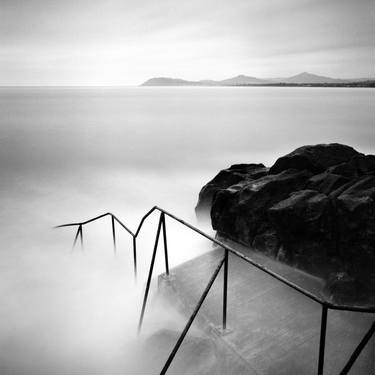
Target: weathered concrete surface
(197, 355)
(273, 330)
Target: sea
(71, 153)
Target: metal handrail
(193, 315)
(113, 219)
(326, 305)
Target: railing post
(149, 275)
(322, 343)
(165, 244)
(191, 319)
(81, 231)
(225, 289)
(113, 234)
(135, 256)
(76, 236)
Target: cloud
(124, 42)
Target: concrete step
(196, 356)
(273, 330)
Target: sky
(125, 42)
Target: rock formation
(313, 209)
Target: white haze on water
(69, 154)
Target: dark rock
(305, 213)
(365, 164)
(314, 158)
(225, 179)
(326, 182)
(357, 166)
(267, 242)
(314, 209)
(242, 214)
(344, 169)
(304, 225)
(335, 193)
(355, 216)
(343, 288)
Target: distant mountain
(242, 80)
(165, 81)
(310, 78)
(207, 82)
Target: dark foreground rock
(224, 179)
(313, 209)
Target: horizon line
(169, 77)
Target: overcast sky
(117, 42)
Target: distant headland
(302, 79)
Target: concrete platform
(272, 329)
(197, 355)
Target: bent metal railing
(224, 261)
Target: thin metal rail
(225, 288)
(150, 275)
(326, 305)
(192, 317)
(358, 350)
(280, 278)
(322, 343)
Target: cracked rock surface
(313, 209)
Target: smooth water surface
(68, 154)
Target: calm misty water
(69, 154)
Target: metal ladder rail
(162, 226)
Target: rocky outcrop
(225, 178)
(314, 158)
(313, 209)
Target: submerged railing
(224, 261)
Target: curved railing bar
(263, 268)
(123, 225)
(118, 221)
(97, 218)
(83, 222)
(161, 227)
(144, 218)
(192, 317)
